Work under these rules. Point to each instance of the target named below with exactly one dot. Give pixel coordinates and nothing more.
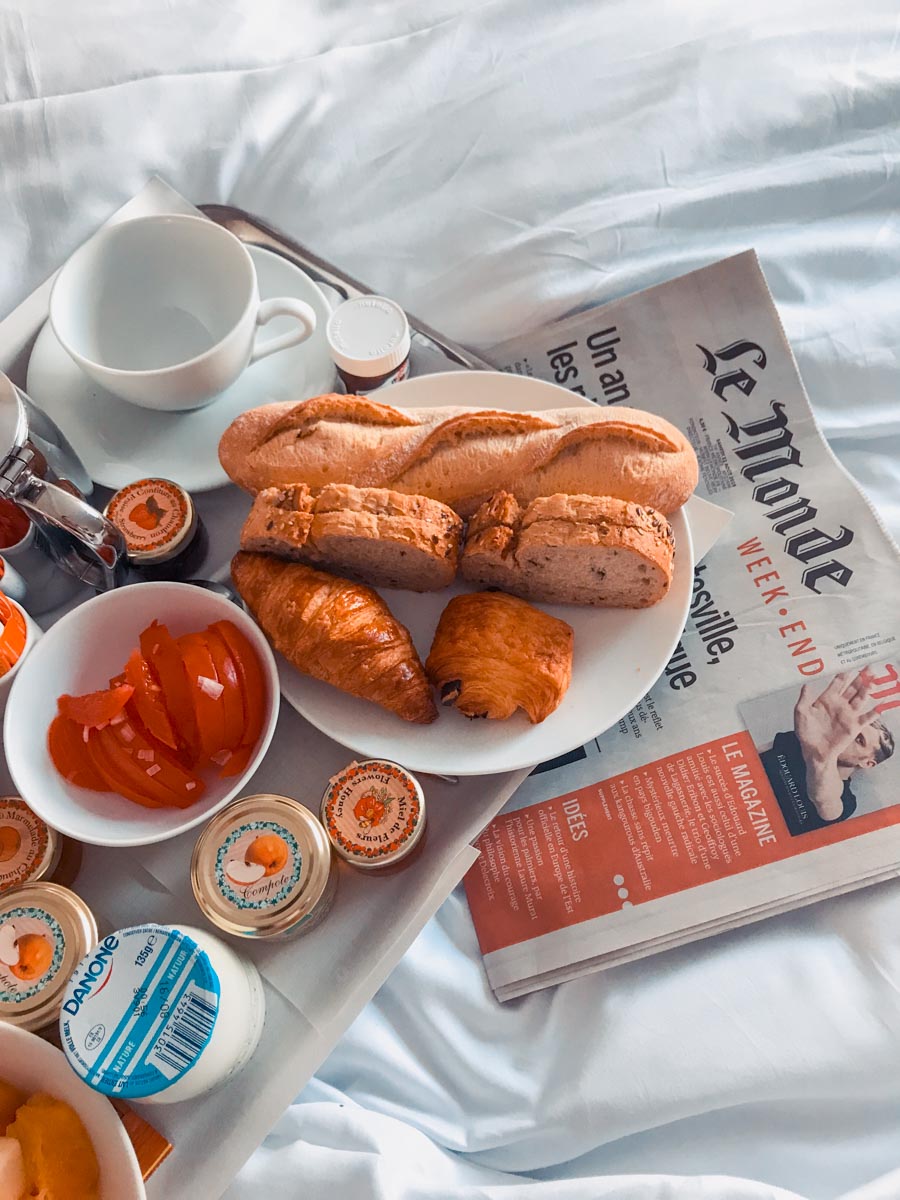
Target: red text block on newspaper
(675, 823)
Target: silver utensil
(42, 474)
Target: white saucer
(119, 443)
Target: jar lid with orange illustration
(157, 518)
(374, 813)
(45, 931)
(263, 868)
(29, 848)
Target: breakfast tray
(315, 986)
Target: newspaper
(758, 773)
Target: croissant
(494, 653)
(342, 633)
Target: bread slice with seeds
(590, 550)
(372, 535)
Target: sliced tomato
(161, 653)
(206, 695)
(13, 634)
(237, 762)
(119, 774)
(148, 700)
(250, 673)
(232, 696)
(65, 741)
(96, 708)
(180, 786)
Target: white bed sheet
(495, 165)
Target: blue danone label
(139, 1011)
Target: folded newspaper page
(759, 772)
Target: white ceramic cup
(164, 311)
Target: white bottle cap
(368, 336)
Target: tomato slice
(13, 635)
(95, 708)
(65, 741)
(180, 785)
(148, 700)
(250, 673)
(232, 696)
(158, 780)
(237, 762)
(119, 772)
(206, 692)
(161, 652)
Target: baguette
(461, 456)
(589, 550)
(372, 535)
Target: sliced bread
(565, 549)
(373, 535)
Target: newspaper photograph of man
(822, 749)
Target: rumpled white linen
(494, 166)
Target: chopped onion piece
(127, 733)
(85, 733)
(146, 755)
(118, 719)
(189, 787)
(210, 687)
(221, 757)
(154, 770)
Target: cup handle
(283, 306)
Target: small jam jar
(374, 814)
(45, 930)
(164, 535)
(173, 1013)
(30, 850)
(262, 868)
(368, 338)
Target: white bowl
(35, 1066)
(80, 653)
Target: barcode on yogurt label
(186, 1033)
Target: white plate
(119, 442)
(33, 1065)
(619, 653)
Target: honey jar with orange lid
(45, 931)
(374, 814)
(164, 535)
(263, 868)
(30, 850)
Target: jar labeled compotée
(263, 868)
(45, 930)
(374, 813)
(30, 850)
(160, 1013)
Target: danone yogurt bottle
(159, 1014)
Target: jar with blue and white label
(159, 1014)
